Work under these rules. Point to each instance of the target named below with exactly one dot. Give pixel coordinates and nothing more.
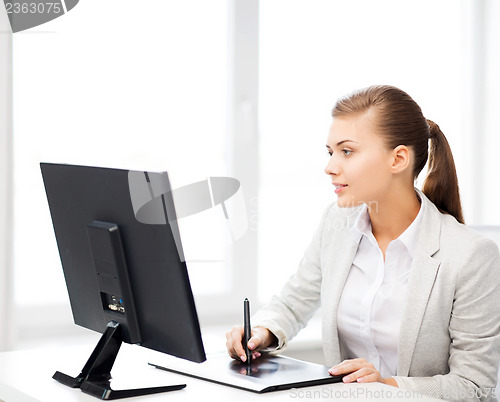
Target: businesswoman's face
(359, 164)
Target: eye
(347, 152)
(330, 153)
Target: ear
(401, 159)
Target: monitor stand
(96, 374)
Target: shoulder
(463, 240)
(460, 248)
(441, 231)
(468, 264)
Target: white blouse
(374, 295)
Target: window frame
(6, 182)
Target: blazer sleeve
(474, 329)
(289, 311)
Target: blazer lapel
(339, 265)
(420, 282)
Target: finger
(232, 352)
(235, 353)
(229, 345)
(364, 371)
(345, 367)
(234, 344)
(255, 342)
(258, 338)
(256, 355)
(348, 366)
(239, 351)
(373, 377)
(358, 360)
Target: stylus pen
(248, 329)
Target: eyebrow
(341, 142)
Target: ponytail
(441, 183)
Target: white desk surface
(26, 376)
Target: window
(6, 337)
(122, 84)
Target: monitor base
(95, 376)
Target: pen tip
(246, 299)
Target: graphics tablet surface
(265, 374)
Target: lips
(339, 187)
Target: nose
(332, 167)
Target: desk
(26, 376)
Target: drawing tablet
(266, 374)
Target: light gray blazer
(449, 344)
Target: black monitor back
(166, 313)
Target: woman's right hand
(261, 338)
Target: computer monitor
(122, 258)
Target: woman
(410, 296)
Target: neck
(392, 216)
